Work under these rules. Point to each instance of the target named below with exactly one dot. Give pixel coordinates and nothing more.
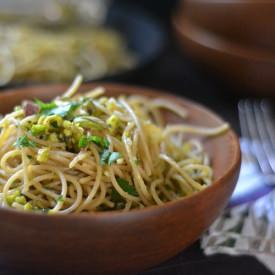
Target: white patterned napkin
(246, 229)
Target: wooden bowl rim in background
(249, 23)
(33, 92)
(210, 40)
(246, 71)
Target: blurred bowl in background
(127, 42)
(242, 66)
(250, 22)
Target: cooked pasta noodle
(89, 152)
(32, 52)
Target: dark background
(175, 72)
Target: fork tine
(268, 119)
(249, 162)
(264, 124)
(245, 133)
(252, 128)
(260, 144)
(242, 118)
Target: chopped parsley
(125, 185)
(52, 108)
(114, 156)
(65, 110)
(104, 156)
(23, 141)
(115, 196)
(45, 108)
(83, 142)
(108, 157)
(102, 142)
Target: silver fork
(250, 228)
(258, 140)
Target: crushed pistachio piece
(67, 133)
(38, 129)
(11, 198)
(67, 124)
(43, 154)
(21, 200)
(113, 123)
(28, 206)
(53, 137)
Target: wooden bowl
(242, 67)
(249, 22)
(116, 242)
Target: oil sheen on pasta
(89, 152)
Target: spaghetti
(89, 152)
(31, 53)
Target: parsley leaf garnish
(65, 110)
(125, 185)
(108, 157)
(104, 156)
(83, 142)
(115, 196)
(105, 143)
(23, 141)
(102, 142)
(114, 156)
(45, 108)
(51, 108)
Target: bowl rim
(108, 215)
(184, 27)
